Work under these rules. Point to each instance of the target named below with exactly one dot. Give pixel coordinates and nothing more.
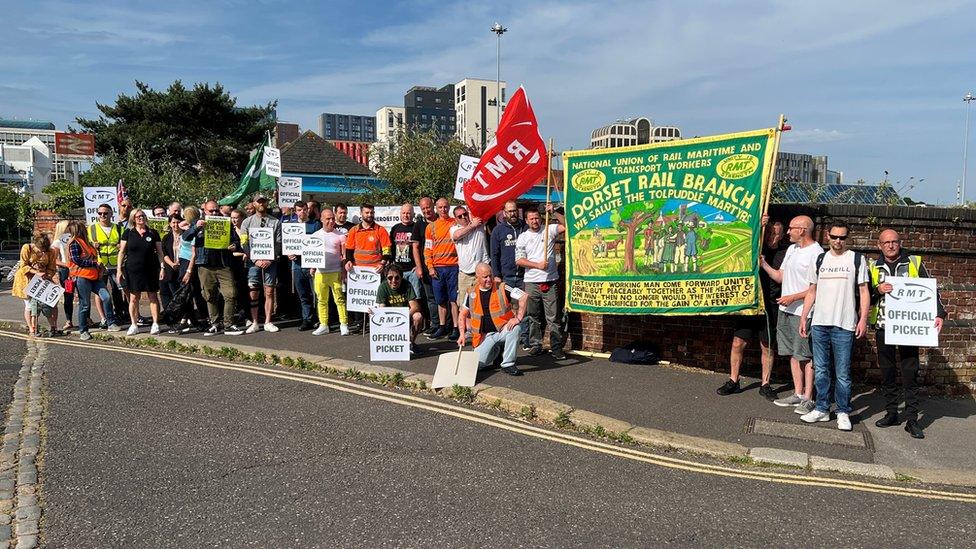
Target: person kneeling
(394, 292)
(494, 325)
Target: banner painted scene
(668, 228)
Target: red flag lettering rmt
(513, 162)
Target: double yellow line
(526, 429)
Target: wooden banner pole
(545, 228)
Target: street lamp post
(969, 98)
(499, 30)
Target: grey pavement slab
(818, 463)
(826, 433)
(778, 456)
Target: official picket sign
(44, 291)
(361, 287)
(910, 311)
(261, 241)
(289, 191)
(389, 334)
(159, 224)
(94, 196)
(384, 216)
(291, 238)
(216, 232)
(313, 250)
(272, 161)
(466, 166)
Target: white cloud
(813, 136)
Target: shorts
(465, 282)
(788, 340)
(445, 286)
(38, 308)
(761, 327)
(256, 276)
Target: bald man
(894, 262)
(487, 307)
(792, 277)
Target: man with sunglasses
(393, 292)
(470, 242)
(839, 298)
(263, 273)
(105, 235)
(893, 262)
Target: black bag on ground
(636, 352)
(177, 306)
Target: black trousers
(908, 365)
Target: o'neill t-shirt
(835, 304)
(795, 267)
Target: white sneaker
(252, 329)
(844, 422)
(344, 329)
(322, 329)
(133, 330)
(154, 330)
(269, 327)
(247, 324)
(815, 416)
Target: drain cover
(812, 433)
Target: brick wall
(946, 239)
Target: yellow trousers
(324, 284)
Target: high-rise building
(478, 110)
(347, 127)
(18, 132)
(285, 132)
(637, 131)
(803, 168)
(389, 121)
(428, 108)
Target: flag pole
(780, 125)
(545, 237)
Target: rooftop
(26, 124)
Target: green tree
(422, 163)
(201, 130)
(16, 214)
(630, 218)
(63, 196)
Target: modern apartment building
(804, 168)
(18, 132)
(637, 131)
(427, 108)
(347, 127)
(476, 103)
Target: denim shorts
(788, 340)
(445, 286)
(256, 276)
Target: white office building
(18, 132)
(638, 131)
(478, 112)
(26, 167)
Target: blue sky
(875, 85)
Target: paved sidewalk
(676, 399)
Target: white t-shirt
(529, 246)
(835, 304)
(333, 250)
(471, 249)
(795, 267)
(61, 244)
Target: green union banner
(670, 228)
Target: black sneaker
(730, 387)
(306, 326)
(103, 325)
(233, 330)
(767, 392)
(431, 330)
(535, 351)
(512, 370)
(557, 354)
(454, 335)
(440, 333)
(213, 330)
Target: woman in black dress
(141, 259)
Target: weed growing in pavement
(172, 345)
(303, 364)
(259, 357)
(287, 362)
(396, 379)
(740, 460)
(422, 385)
(904, 478)
(562, 420)
(462, 394)
(274, 359)
(497, 403)
(527, 412)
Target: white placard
(272, 161)
(44, 291)
(361, 287)
(384, 216)
(389, 334)
(99, 195)
(466, 166)
(910, 310)
(289, 191)
(291, 238)
(313, 250)
(261, 241)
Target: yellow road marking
(527, 429)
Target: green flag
(255, 177)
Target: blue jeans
(516, 282)
(832, 344)
(84, 289)
(506, 342)
(411, 277)
(303, 287)
(435, 321)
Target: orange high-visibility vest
(87, 250)
(439, 250)
(368, 245)
(499, 310)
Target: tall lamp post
(969, 98)
(499, 30)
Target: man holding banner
(894, 263)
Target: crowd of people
(433, 262)
(824, 300)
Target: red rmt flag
(513, 162)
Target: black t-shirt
(487, 326)
(402, 236)
(774, 257)
(420, 231)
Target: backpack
(858, 259)
(636, 352)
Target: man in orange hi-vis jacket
(368, 244)
(441, 259)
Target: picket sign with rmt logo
(99, 195)
(45, 291)
(292, 235)
(361, 287)
(313, 250)
(910, 310)
(289, 191)
(466, 166)
(389, 334)
(261, 240)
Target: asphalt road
(143, 451)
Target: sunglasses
(837, 237)
(104, 213)
(394, 277)
(462, 215)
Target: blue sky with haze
(874, 85)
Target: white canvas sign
(362, 284)
(289, 191)
(261, 240)
(384, 216)
(313, 251)
(44, 291)
(910, 310)
(99, 195)
(272, 161)
(466, 166)
(291, 238)
(389, 334)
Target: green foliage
(421, 164)
(462, 394)
(16, 212)
(562, 420)
(63, 196)
(200, 130)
